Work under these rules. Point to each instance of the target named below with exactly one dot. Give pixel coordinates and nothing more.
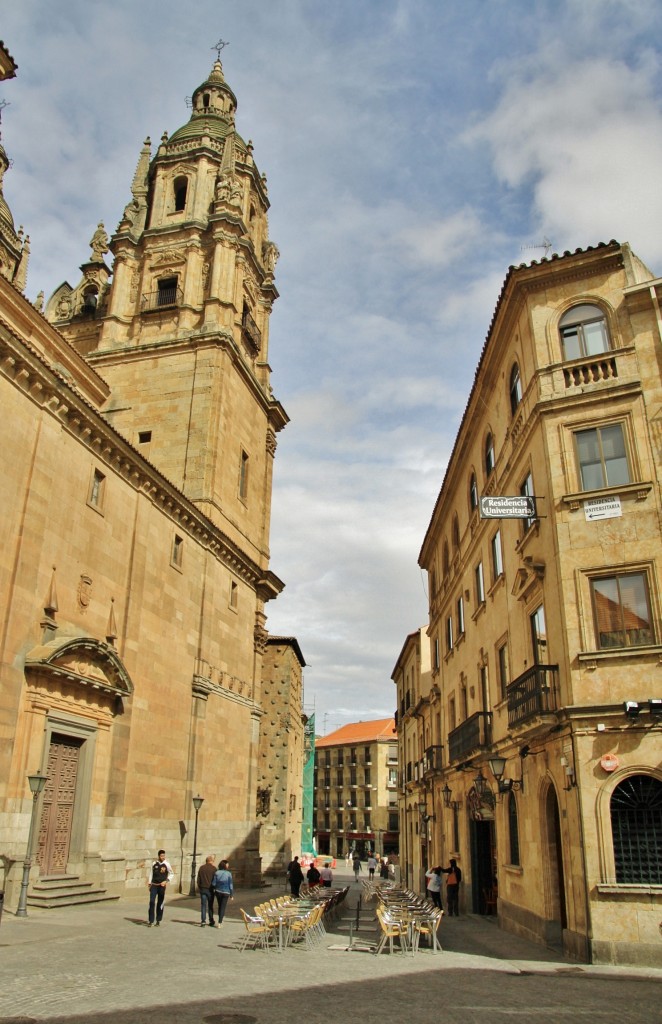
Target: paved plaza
(101, 964)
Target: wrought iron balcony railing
(251, 332)
(432, 759)
(164, 298)
(474, 734)
(533, 693)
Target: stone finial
(51, 605)
(111, 628)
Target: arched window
(489, 454)
(515, 388)
(513, 829)
(636, 825)
(181, 188)
(90, 299)
(205, 100)
(456, 536)
(583, 332)
(473, 493)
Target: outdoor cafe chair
(257, 932)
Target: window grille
(636, 824)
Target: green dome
(215, 126)
(214, 105)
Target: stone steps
(65, 891)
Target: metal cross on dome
(220, 45)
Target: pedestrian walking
(223, 889)
(383, 870)
(372, 864)
(453, 887)
(327, 875)
(313, 875)
(206, 874)
(356, 864)
(158, 877)
(294, 877)
(433, 885)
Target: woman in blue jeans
(223, 889)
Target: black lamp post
(197, 803)
(37, 783)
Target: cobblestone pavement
(101, 964)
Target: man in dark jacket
(295, 877)
(205, 877)
(453, 887)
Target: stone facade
(356, 789)
(419, 755)
(139, 434)
(542, 628)
(282, 753)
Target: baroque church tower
(137, 453)
(181, 332)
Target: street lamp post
(37, 783)
(197, 803)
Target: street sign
(521, 506)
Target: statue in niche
(99, 244)
(270, 254)
(236, 193)
(223, 188)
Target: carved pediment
(81, 660)
(528, 576)
(168, 258)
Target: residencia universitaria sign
(522, 506)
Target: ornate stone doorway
(58, 804)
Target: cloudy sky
(414, 150)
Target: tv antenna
(545, 244)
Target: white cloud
(587, 139)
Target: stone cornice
(51, 391)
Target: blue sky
(413, 150)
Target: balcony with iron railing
(533, 693)
(474, 734)
(164, 298)
(432, 759)
(251, 332)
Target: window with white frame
(526, 490)
(515, 388)
(473, 493)
(460, 615)
(449, 633)
(480, 584)
(497, 556)
(583, 331)
(489, 455)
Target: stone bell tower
(179, 328)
